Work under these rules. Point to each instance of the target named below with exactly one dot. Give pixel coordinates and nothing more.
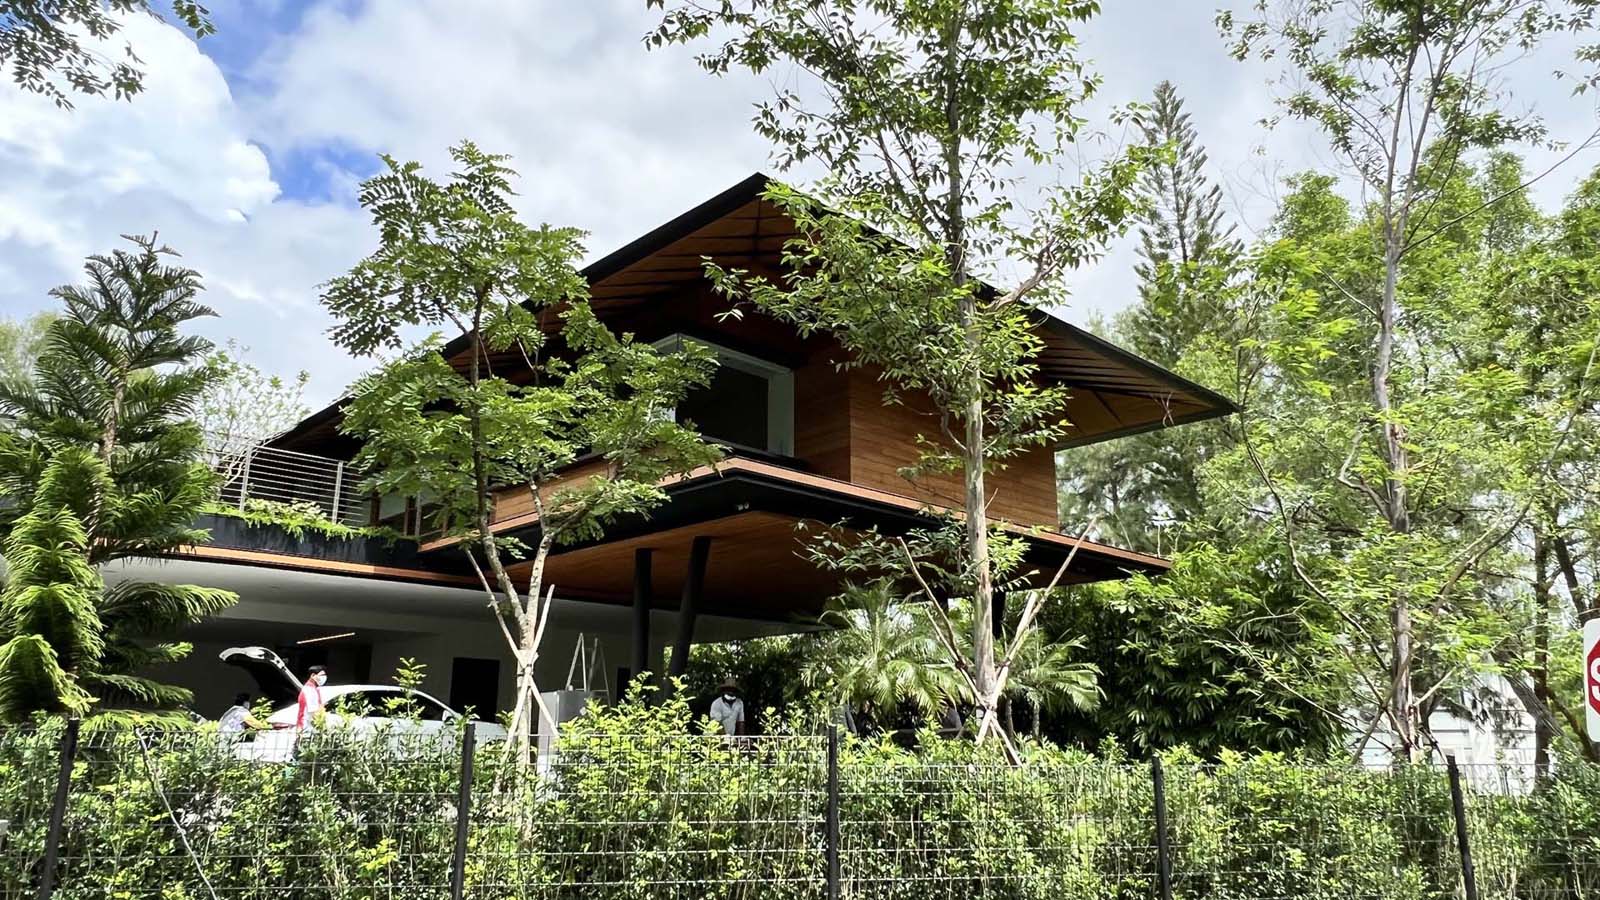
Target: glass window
(357, 704)
(732, 408)
(749, 402)
(429, 709)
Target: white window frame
(780, 388)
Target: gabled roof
(1114, 392)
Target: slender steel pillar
(689, 607)
(641, 614)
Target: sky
(245, 149)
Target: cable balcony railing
(261, 473)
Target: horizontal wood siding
(512, 502)
(822, 416)
(883, 440)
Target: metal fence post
(831, 824)
(338, 489)
(1158, 782)
(58, 811)
(1469, 877)
(244, 478)
(458, 865)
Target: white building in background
(1500, 734)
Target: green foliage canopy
(102, 464)
(52, 46)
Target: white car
(363, 709)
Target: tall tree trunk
(1391, 444)
(1542, 734)
(522, 609)
(108, 428)
(1582, 608)
(977, 523)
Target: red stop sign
(1591, 676)
(1592, 666)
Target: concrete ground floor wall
(363, 628)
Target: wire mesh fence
(195, 814)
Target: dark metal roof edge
(1133, 360)
(679, 227)
(309, 422)
(1156, 564)
(750, 188)
(1201, 416)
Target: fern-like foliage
(99, 461)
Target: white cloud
(182, 140)
(608, 136)
(178, 159)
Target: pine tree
(1182, 237)
(1140, 488)
(101, 463)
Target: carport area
(361, 629)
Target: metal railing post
(458, 866)
(1158, 782)
(831, 823)
(244, 477)
(338, 488)
(1469, 877)
(58, 811)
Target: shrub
(635, 804)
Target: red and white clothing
(310, 705)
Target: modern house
(807, 442)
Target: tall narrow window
(749, 402)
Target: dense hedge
(631, 807)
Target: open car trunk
(277, 683)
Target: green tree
(1306, 468)
(884, 654)
(888, 656)
(50, 46)
(21, 341)
(921, 114)
(102, 463)
(1404, 93)
(49, 608)
(244, 406)
(1224, 652)
(1541, 319)
(542, 382)
(1142, 490)
(1183, 240)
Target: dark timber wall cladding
(822, 415)
(883, 440)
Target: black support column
(689, 607)
(641, 613)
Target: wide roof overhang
(761, 518)
(1113, 392)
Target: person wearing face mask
(728, 710)
(310, 698)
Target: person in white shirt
(238, 717)
(728, 710)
